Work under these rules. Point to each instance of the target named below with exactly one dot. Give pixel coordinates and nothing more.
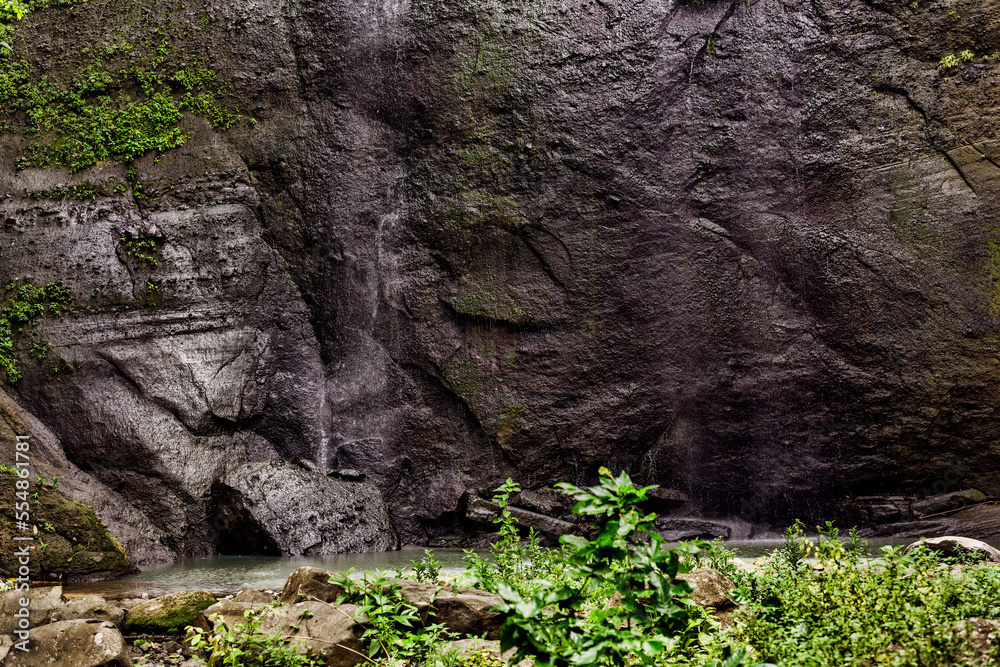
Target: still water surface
(230, 574)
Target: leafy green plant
(520, 564)
(7, 470)
(51, 482)
(393, 629)
(898, 609)
(427, 569)
(26, 304)
(141, 249)
(245, 646)
(551, 626)
(948, 62)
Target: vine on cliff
(123, 100)
(26, 305)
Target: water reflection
(230, 574)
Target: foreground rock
(711, 588)
(78, 546)
(331, 515)
(330, 632)
(169, 614)
(253, 595)
(47, 605)
(981, 637)
(78, 643)
(462, 610)
(465, 649)
(951, 545)
(232, 613)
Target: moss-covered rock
(169, 614)
(70, 542)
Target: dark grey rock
(543, 502)
(81, 643)
(880, 509)
(665, 500)
(759, 273)
(282, 508)
(947, 501)
(485, 511)
(677, 530)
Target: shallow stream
(230, 574)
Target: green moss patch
(25, 304)
(118, 100)
(70, 540)
(169, 614)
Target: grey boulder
(76, 643)
(92, 607)
(952, 545)
(485, 511)
(47, 605)
(711, 588)
(43, 604)
(253, 595)
(230, 612)
(462, 610)
(331, 515)
(310, 583)
(329, 632)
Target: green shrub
(246, 646)
(551, 626)
(427, 569)
(393, 627)
(845, 610)
(523, 565)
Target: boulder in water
(331, 515)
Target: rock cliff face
(747, 250)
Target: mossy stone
(70, 540)
(169, 614)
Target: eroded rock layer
(745, 250)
